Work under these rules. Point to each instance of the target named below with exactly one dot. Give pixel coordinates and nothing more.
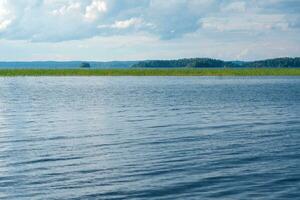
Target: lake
(150, 138)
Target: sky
(103, 30)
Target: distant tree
(187, 62)
(276, 62)
(85, 65)
(214, 63)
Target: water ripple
(149, 138)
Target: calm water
(149, 138)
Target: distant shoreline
(152, 72)
(283, 62)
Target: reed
(153, 72)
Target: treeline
(276, 62)
(180, 63)
(214, 63)
(187, 62)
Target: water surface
(149, 138)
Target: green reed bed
(153, 72)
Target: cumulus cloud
(63, 20)
(67, 9)
(95, 9)
(127, 23)
(5, 15)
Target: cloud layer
(55, 21)
(60, 20)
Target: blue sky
(148, 29)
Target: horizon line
(141, 60)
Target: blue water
(149, 138)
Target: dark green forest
(214, 63)
(180, 63)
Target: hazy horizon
(132, 30)
(139, 60)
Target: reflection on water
(149, 137)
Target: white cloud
(132, 24)
(238, 6)
(96, 8)
(5, 15)
(252, 23)
(4, 24)
(67, 8)
(127, 23)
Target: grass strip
(153, 72)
